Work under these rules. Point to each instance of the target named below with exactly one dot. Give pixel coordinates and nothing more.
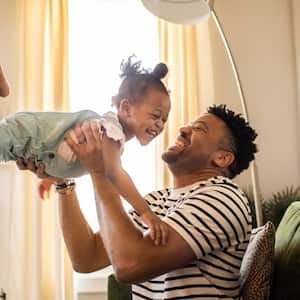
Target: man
(208, 216)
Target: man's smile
(180, 144)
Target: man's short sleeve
(213, 219)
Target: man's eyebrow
(201, 122)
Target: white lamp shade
(185, 12)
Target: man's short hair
(241, 138)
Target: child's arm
(125, 186)
(4, 88)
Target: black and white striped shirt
(214, 218)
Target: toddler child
(143, 106)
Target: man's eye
(198, 128)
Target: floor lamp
(188, 12)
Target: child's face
(148, 118)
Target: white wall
(261, 37)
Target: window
(102, 34)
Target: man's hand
(90, 152)
(47, 181)
(39, 170)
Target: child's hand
(158, 229)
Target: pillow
(287, 255)
(257, 265)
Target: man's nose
(186, 129)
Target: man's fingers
(157, 235)
(20, 164)
(31, 165)
(164, 231)
(73, 136)
(87, 131)
(79, 136)
(72, 144)
(152, 233)
(95, 126)
(40, 171)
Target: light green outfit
(40, 134)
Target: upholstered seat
(117, 290)
(257, 265)
(287, 255)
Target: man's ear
(125, 107)
(223, 159)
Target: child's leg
(7, 145)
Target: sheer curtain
(37, 265)
(186, 50)
(102, 34)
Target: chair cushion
(117, 290)
(257, 265)
(287, 255)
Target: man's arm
(134, 257)
(85, 247)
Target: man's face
(197, 143)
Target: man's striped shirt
(214, 218)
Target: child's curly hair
(241, 138)
(138, 81)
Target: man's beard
(169, 157)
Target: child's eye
(155, 116)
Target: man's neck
(183, 180)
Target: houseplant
(274, 208)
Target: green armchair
(287, 256)
(117, 290)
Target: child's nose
(159, 124)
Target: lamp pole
(253, 167)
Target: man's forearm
(118, 232)
(84, 246)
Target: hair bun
(160, 71)
(130, 67)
